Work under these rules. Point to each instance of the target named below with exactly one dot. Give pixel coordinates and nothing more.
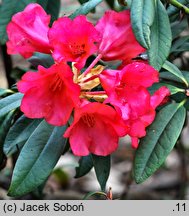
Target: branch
(179, 5)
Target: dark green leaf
(174, 70)
(173, 89)
(183, 48)
(17, 73)
(10, 103)
(37, 159)
(160, 37)
(177, 27)
(159, 141)
(19, 134)
(5, 124)
(170, 77)
(102, 169)
(5, 92)
(43, 3)
(111, 3)
(142, 17)
(94, 193)
(86, 8)
(83, 1)
(85, 165)
(41, 59)
(53, 8)
(182, 41)
(7, 10)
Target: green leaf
(17, 73)
(7, 10)
(160, 139)
(53, 8)
(86, 8)
(10, 103)
(183, 48)
(160, 37)
(181, 42)
(5, 92)
(111, 3)
(102, 169)
(85, 165)
(83, 1)
(142, 17)
(173, 89)
(174, 70)
(37, 159)
(5, 124)
(170, 77)
(43, 3)
(94, 193)
(41, 59)
(19, 134)
(177, 31)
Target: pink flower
(118, 40)
(49, 93)
(144, 116)
(117, 82)
(127, 91)
(27, 32)
(73, 40)
(96, 129)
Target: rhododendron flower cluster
(99, 105)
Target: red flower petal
(73, 40)
(139, 74)
(134, 142)
(50, 93)
(127, 92)
(27, 32)
(159, 96)
(118, 41)
(95, 129)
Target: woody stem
(99, 56)
(179, 5)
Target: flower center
(89, 120)
(77, 49)
(56, 84)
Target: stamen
(77, 49)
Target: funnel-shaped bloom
(27, 32)
(127, 91)
(143, 116)
(118, 40)
(96, 129)
(49, 93)
(73, 40)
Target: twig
(179, 6)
